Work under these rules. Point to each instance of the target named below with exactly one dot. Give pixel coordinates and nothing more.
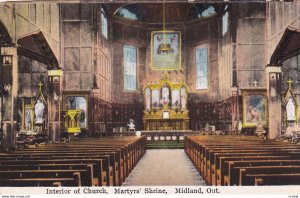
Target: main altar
(166, 105)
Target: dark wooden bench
(109, 173)
(216, 166)
(229, 174)
(37, 182)
(81, 176)
(111, 160)
(272, 179)
(241, 172)
(210, 154)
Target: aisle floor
(164, 167)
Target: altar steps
(165, 145)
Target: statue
(260, 131)
(131, 125)
(164, 101)
(165, 95)
(39, 112)
(28, 119)
(291, 110)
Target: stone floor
(164, 167)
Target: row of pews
(106, 161)
(229, 160)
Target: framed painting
(166, 50)
(254, 107)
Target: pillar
(234, 109)
(9, 83)
(54, 103)
(274, 100)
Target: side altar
(165, 105)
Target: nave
(217, 160)
(164, 167)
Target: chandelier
(164, 47)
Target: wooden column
(54, 104)
(234, 109)
(9, 75)
(274, 100)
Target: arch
(288, 46)
(36, 46)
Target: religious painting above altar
(166, 50)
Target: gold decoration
(71, 121)
(178, 118)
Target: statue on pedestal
(39, 112)
(131, 125)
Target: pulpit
(75, 112)
(165, 106)
(71, 120)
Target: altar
(165, 105)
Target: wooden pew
(210, 154)
(81, 176)
(218, 164)
(272, 179)
(229, 174)
(98, 166)
(37, 182)
(110, 159)
(243, 171)
(110, 168)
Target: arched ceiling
(153, 12)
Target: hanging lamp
(164, 47)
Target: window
(225, 23)
(201, 68)
(129, 11)
(104, 25)
(201, 10)
(129, 68)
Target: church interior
(92, 90)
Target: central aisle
(160, 167)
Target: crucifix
(290, 83)
(40, 86)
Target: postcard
(153, 98)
